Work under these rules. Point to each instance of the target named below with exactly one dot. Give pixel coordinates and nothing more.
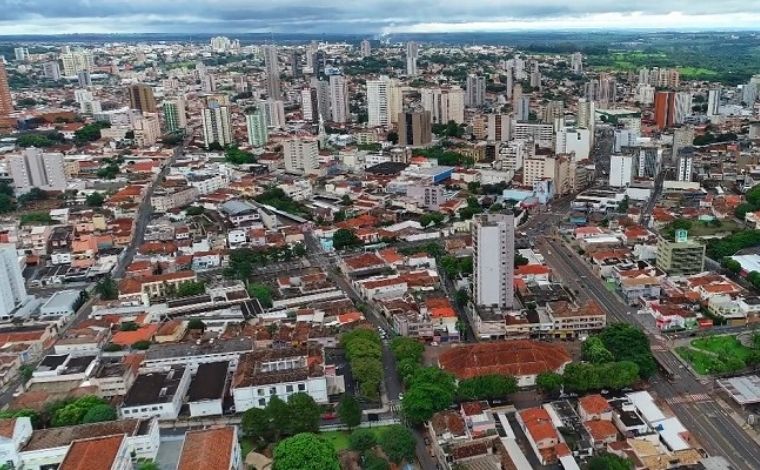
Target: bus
(665, 369)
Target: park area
(720, 354)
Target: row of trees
(84, 410)
(243, 260)
(278, 199)
(364, 352)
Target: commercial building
(680, 256)
(141, 98)
(493, 239)
(339, 99)
(175, 117)
(6, 101)
(415, 128)
(37, 169)
(272, 67)
(157, 393)
(256, 125)
(12, 288)
(301, 155)
(217, 127)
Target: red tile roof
(518, 357)
(92, 454)
(209, 449)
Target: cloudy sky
(367, 16)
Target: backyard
(718, 354)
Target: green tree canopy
(405, 348)
(99, 413)
(349, 411)
(398, 443)
(345, 238)
(305, 451)
(486, 387)
(361, 439)
(628, 343)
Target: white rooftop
(745, 389)
(749, 263)
(644, 402)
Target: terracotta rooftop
(518, 357)
(594, 404)
(93, 454)
(208, 449)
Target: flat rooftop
(154, 387)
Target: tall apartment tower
(499, 128)
(12, 289)
(175, 117)
(576, 63)
(309, 105)
(585, 116)
(339, 99)
(256, 124)
(664, 109)
(377, 103)
(301, 155)
(476, 91)
(415, 128)
(713, 102)
(444, 104)
(217, 127)
(272, 67)
(412, 53)
(682, 106)
(6, 101)
(366, 48)
(493, 239)
(141, 98)
(51, 70)
(322, 90)
(37, 169)
(274, 110)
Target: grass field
(339, 439)
(706, 229)
(715, 354)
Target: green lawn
(721, 354)
(339, 439)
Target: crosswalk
(688, 398)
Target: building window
(301, 387)
(289, 388)
(262, 402)
(260, 392)
(273, 391)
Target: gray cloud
(308, 16)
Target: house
(14, 434)
(211, 449)
(207, 389)
(158, 393)
(48, 447)
(523, 359)
(99, 453)
(263, 374)
(541, 433)
(602, 432)
(594, 407)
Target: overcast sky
(367, 16)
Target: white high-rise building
(217, 126)
(586, 116)
(301, 155)
(256, 124)
(51, 70)
(34, 168)
(685, 165)
(573, 140)
(412, 53)
(274, 110)
(621, 171)
(309, 105)
(220, 44)
(682, 105)
(175, 118)
(645, 93)
(576, 63)
(321, 90)
(377, 103)
(493, 239)
(395, 100)
(444, 104)
(713, 102)
(339, 99)
(75, 62)
(21, 53)
(272, 66)
(476, 90)
(12, 288)
(499, 128)
(366, 48)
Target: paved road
(689, 398)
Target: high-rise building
(749, 93)
(444, 104)
(664, 109)
(147, 130)
(685, 166)
(51, 70)
(535, 77)
(650, 161)
(682, 107)
(322, 90)
(295, 64)
(520, 104)
(621, 171)
(309, 105)
(141, 98)
(682, 137)
(366, 48)
(301, 155)
(75, 62)
(21, 53)
(476, 91)
(493, 240)
(272, 67)
(217, 126)
(12, 289)
(412, 53)
(576, 63)
(586, 115)
(377, 103)
(84, 78)
(553, 110)
(679, 256)
(220, 44)
(256, 124)
(175, 118)
(645, 93)
(274, 110)
(713, 102)
(510, 83)
(395, 100)
(499, 128)
(6, 101)
(571, 140)
(415, 128)
(34, 168)
(339, 99)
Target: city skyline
(329, 16)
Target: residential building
(415, 129)
(713, 102)
(585, 116)
(158, 393)
(412, 53)
(16, 432)
(6, 100)
(685, 167)
(664, 109)
(301, 155)
(215, 448)
(51, 70)
(147, 130)
(217, 127)
(339, 99)
(207, 389)
(680, 256)
(34, 168)
(272, 66)
(573, 140)
(366, 48)
(621, 171)
(499, 128)
(99, 453)
(377, 103)
(576, 63)
(493, 239)
(175, 117)
(75, 62)
(541, 134)
(682, 107)
(274, 110)
(310, 105)
(141, 98)
(265, 373)
(256, 125)
(444, 104)
(476, 90)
